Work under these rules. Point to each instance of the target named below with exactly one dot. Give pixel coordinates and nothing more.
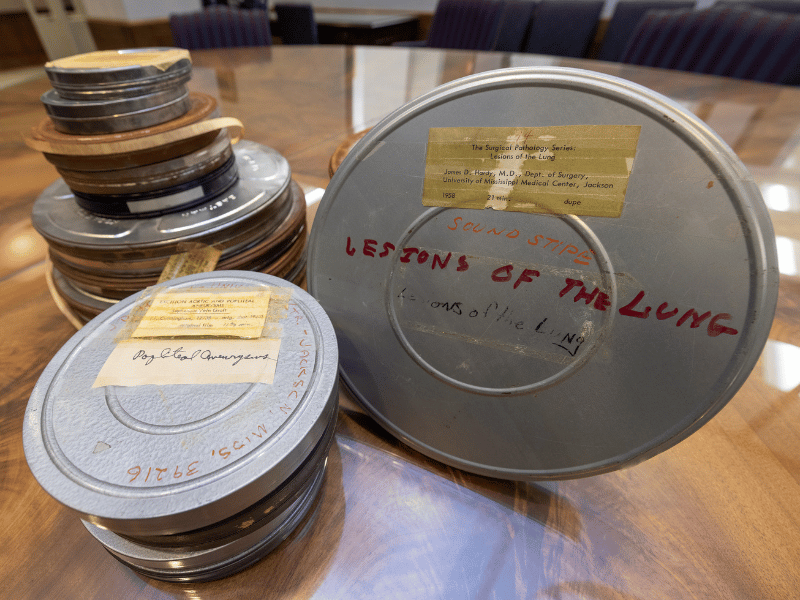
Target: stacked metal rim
(107, 92)
(193, 481)
(147, 169)
(115, 74)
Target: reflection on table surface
(717, 516)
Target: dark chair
(515, 24)
(564, 27)
(464, 25)
(626, 17)
(296, 24)
(739, 42)
(220, 27)
(786, 6)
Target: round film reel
(559, 273)
(255, 456)
(155, 176)
(119, 73)
(258, 224)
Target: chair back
(220, 27)
(739, 42)
(564, 27)
(465, 24)
(515, 24)
(626, 17)
(296, 23)
(787, 6)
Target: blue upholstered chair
(627, 14)
(734, 41)
(296, 23)
(464, 24)
(787, 6)
(564, 27)
(515, 24)
(220, 27)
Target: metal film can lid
(544, 273)
(119, 73)
(264, 177)
(187, 430)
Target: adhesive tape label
(577, 169)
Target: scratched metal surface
(472, 335)
(128, 458)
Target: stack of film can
(196, 480)
(149, 170)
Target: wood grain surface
(715, 517)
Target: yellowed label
(572, 169)
(104, 59)
(239, 314)
(194, 361)
(200, 259)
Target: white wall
(11, 6)
(137, 10)
(112, 10)
(119, 10)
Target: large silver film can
(543, 345)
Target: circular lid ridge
(145, 457)
(591, 278)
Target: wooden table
(716, 517)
